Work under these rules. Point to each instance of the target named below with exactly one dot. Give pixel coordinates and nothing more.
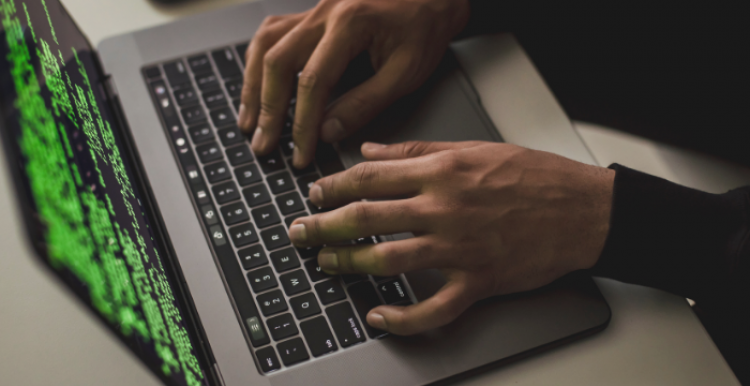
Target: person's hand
(495, 218)
(405, 39)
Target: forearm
(678, 239)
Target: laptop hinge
(218, 375)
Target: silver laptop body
(448, 108)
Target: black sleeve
(682, 240)
(676, 71)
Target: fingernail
(243, 118)
(298, 233)
(328, 261)
(377, 321)
(332, 130)
(372, 146)
(316, 194)
(257, 139)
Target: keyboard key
(199, 64)
(352, 278)
(176, 73)
(217, 234)
(330, 291)
(236, 103)
(290, 203)
(226, 63)
(256, 195)
(185, 96)
(152, 72)
(306, 182)
(234, 213)
(222, 117)
(209, 214)
(378, 279)
(287, 145)
(266, 216)
(294, 282)
(328, 160)
(345, 324)
(247, 175)
(262, 279)
(207, 81)
(267, 359)
(201, 133)
(241, 51)
(305, 305)
(275, 238)
(193, 114)
(201, 194)
(282, 327)
(243, 235)
(288, 221)
(301, 172)
(309, 252)
(252, 257)
(272, 303)
(365, 298)
(315, 209)
(271, 163)
(280, 183)
(193, 175)
(315, 272)
(239, 155)
(209, 152)
(393, 292)
(292, 351)
(214, 99)
(226, 192)
(366, 240)
(234, 87)
(230, 136)
(217, 172)
(318, 336)
(285, 259)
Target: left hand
(495, 218)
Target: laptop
(140, 195)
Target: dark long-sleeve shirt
(675, 71)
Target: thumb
(410, 149)
(440, 309)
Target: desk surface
(653, 338)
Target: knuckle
(348, 10)
(315, 228)
(360, 214)
(270, 20)
(268, 108)
(363, 175)
(414, 148)
(308, 81)
(274, 60)
(385, 259)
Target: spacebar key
(345, 324)
(241, 294)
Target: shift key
(345, 324)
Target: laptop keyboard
(289, 309)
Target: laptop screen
(84, 211)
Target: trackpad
(445, 108)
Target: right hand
(406, 40)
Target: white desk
(653, 339)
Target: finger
(359, 105)
(326, 65)
(280, 67)
(382, 259)
(411, 149)
(358, 219)
(272, 29)
(371, 180)
(440, 309)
